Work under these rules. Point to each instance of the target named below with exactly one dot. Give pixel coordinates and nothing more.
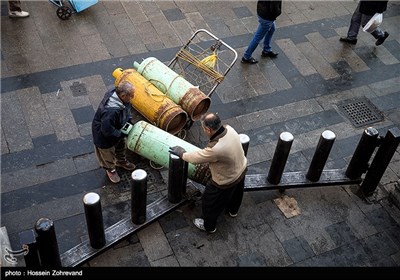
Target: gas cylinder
(182, 92)
(152, 103)
(153, 143)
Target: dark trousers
(215, 200)
(360, 20)
(14, 6)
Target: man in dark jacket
(267, 12)
(109, 140)
(363, 13)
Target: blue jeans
(266, 29)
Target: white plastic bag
(373, 23)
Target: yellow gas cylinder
(154, 105)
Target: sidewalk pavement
(54, 73)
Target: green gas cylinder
(192, 100)
(153, 143)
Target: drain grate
(153, 177)
(360, 111)
(78, 89)
(125, 182)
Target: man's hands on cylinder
(177, 150)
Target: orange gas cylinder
(154, 105)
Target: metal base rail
(84, 252)
(289, 180)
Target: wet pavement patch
(83, 114)
(78, 89)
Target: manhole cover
(78, 89)
(360, 111)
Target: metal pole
(321, 154)
(175, 178)
(365, 148)
(28, 238)
(138, 196)
(245, 140)
(184, 177)
(94, 220)
(47, 243)
(280, 157)
(381, 161)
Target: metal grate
(361, 111)
(78, 89)
(153, 177)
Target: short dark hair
(124, 88)
(212, 121)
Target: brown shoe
(113, 176)
(125, 165)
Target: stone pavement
(54, 73)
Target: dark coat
(269, 10)
(372, 7)
(110, 117)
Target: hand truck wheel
(64, 12)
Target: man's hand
(177, 150)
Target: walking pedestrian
(362, 14)
(228, 166)
(15, 11)
(267, 12)
(109, 140)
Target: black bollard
(184, 177)
(380, 162)
(365, 148)
(321, 154)
(245, 140)
(138, 196)
(47, 243)
(280, 157)
(176, 174)
(27, 239)
(94, 220)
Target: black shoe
(382, 39)
(348, 40)
(269, 54)
(251, 60)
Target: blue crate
(80, 5)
